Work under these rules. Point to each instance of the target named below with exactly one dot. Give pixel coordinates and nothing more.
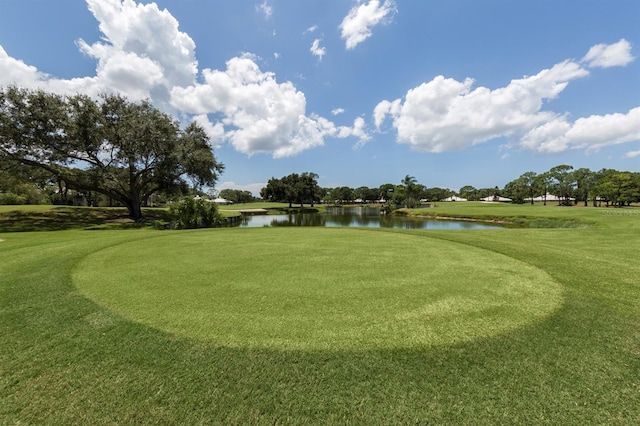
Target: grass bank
(530, 216)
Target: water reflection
(368, 217)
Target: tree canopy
(124, 150)
(293, 188)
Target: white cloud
(259, 114)
(632, 154)
(310, 29)
(142, 54)
(265, 8)
(358, 130)
(15, 71)
(548, 137)
(316, 50)
(385, 108)
(337, 111)
(591, 133)
(356, 26)
(448, 115)
(609, 55)
(148, 38)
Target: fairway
(316, 288)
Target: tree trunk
(135, 209)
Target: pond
(367, 217)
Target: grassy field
(535, 216)
(324, 326)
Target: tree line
(304, 189)
(569, 186)
(573, 186)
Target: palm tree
(410, 184)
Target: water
(367, 217)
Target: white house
(222, 201)
(550, 197)
(496, 199)
(454, 198)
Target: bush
(9, 198)
(23, 194)
(191, 213)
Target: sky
(362, 93)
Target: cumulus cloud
(142, 54)
(590, 133)
(259, 114)
(15, 71)
(337, 111)
(317, 50)
(385, 108)
(609, 55)
(357, 26)
(448, 115)
(358, 130)
(632, 154)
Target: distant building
(496, 199)
(222, 201)
(549, 197)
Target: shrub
(9, 198)
(195, 213)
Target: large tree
(293, 188)
(469, 192)
(237, 195)
(542, 183)
(124, 150)
(584, 179)
(563, 183)
(529, 180)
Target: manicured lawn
(537, 215)
(256, 205)
(317, 288)
(323, 326)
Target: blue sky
(453, 92)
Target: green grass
(56, 218)
(316, 288)
(535, 216)
(75, 351)
(256, 205)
